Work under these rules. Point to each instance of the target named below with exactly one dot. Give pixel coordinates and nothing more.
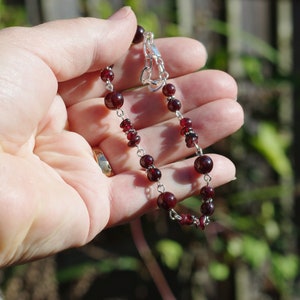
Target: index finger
(181, 56)
(76, 46)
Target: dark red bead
(166, 201)
(126, 125)
(174, 104)
(134, 141)
(139, 35)
(153, 174)
(169, 89)
(185, 130)
(191, 139)
(202, 222)
(146, 161)
(207, 192)
(107, 75)
(114, 100)
(203, 164)
(207, 208)
(186, 219)
(131, 134)
(185, 122)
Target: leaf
(253, 68)
(272, 146)
(105, 266)
(286, 266)
(255, 251)
(235, 247)
(250, 40)
(218, 271)
(170, 252)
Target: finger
(212, 121)
(181, 56)
(180, 179)
(96, 123)
(70, 159)
(147, 108)
(73, 47)
(31, 67)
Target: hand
(52, 193)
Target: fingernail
(121, 13)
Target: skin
(53, 195)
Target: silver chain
(154, 73)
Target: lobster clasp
(153, 73)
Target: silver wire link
(207, 220)
(207, 178)
(161, 188)
(109, 86)
(140, 151)
(174, 215)
(199, 151)
(154, 73)
(179, 115)
(120, 113)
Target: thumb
(33, 59)
(73, 47)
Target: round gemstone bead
(169, 89)
(191, 138)
(146, 161)
(126, 125)
(131, 134)
(107, 75)
(153, 174)
(207, 192)
(185, 122)
(166, 201)
(174, 104)
(114, 100)
(203, 164)
(186, 219)
(207, 208)
(139, 35)
(134, 141)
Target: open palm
(52, 192)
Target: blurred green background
(251, 250)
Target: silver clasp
(154, 73)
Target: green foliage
(285, 268)
(170, 252)
(255, 218)
(149, 20)
(235, 247)
(273, 147)
(254, 69)
(104, 266)
(249, 40)
(104, 9)
(218, 271)
(137, 5)
(255, 251)
(11, 15)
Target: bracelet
(203, 164)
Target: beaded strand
(203, 164)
